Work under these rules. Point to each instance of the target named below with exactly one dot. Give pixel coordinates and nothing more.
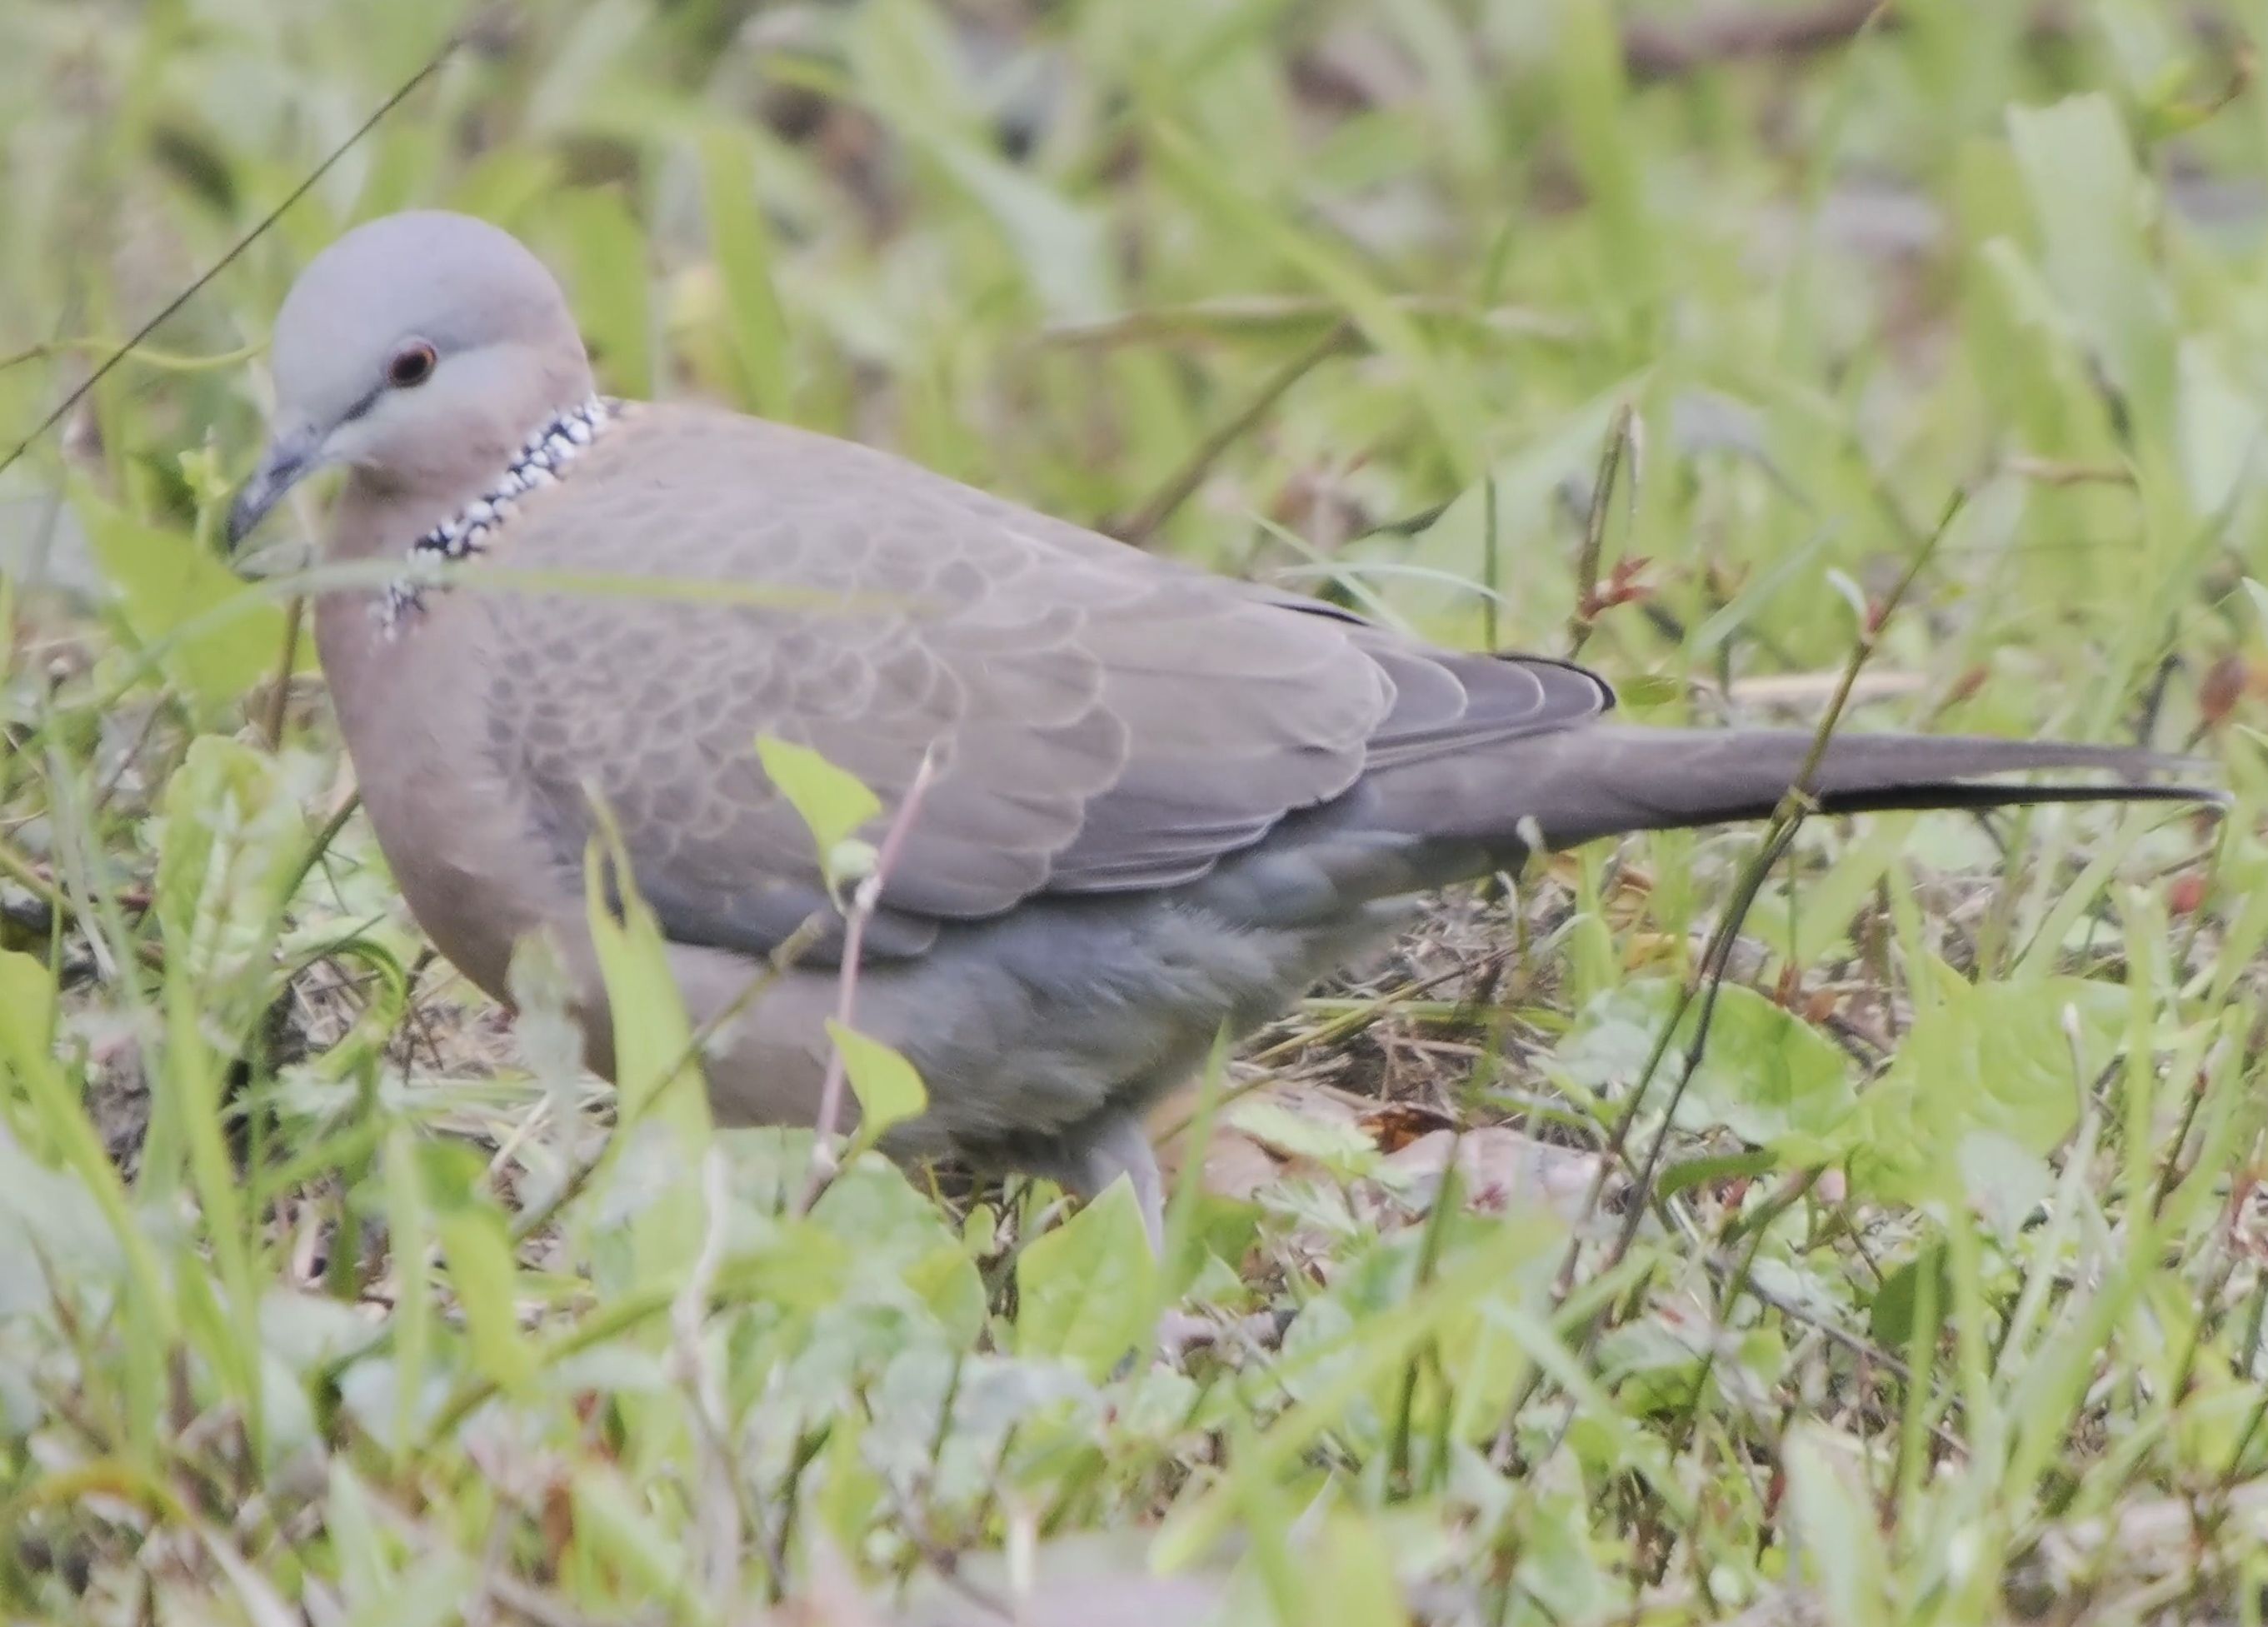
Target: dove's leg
(1096, 1154)
(1122, 1147)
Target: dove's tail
(1605, 781)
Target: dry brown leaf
(1498, 1166)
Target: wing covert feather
(1102, 720)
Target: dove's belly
(1026, 1030)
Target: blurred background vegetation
(1367, 295)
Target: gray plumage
(1166, 802)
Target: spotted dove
(1165, 802)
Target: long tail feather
(1607, 781)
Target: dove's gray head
(419, 350)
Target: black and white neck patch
(541, 462)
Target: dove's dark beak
(290, 459)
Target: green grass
(1942, 1297)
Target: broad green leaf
(1474, 1362)
(1835, 1527)
(165, 582)
(832, 802)
(2006, 1182)
(2005, 1060)
(1084, 1288)
(1765, 1074)
(1348, 1576)
(850, 1494)
(889, 1089)
(871, 1224)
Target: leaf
(740, 241)
(1338, 1146)
(1898, 1302)
(2006, 1182)
(1446, 391)
(1063, 247)
(1607, 149)
(606, 271)
(1348, 1576)
(1557, 1562)
(1446, 602)
(654, 1056)
(2092, 205)
(657, 1069)
(27, 996)
(889, 1091)
(430, 1593)
(833, 802)
(1766, 1075)
(357, 1549)
(2258, 594)
(229, 851)
(27, 1016)
(617, 1525)
(166, 582)
(1835, 1529)
(486, 1279)
(1473, 1283)
(2220, 429)
(1997, 1059)
(450, 1181)
(49, 1221)
(1084, 1288)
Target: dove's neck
(542, 459)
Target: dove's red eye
(412, 365)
